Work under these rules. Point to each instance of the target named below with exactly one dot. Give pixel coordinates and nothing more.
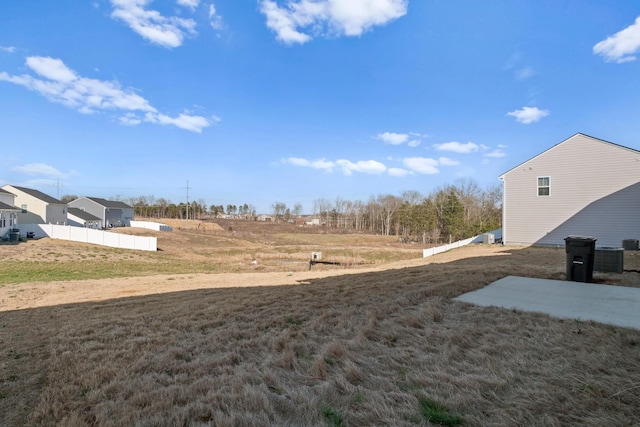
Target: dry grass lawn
(374, 345)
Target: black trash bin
(580, 256)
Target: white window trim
(538, 186)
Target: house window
(543, 186)
(24, 208)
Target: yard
(230, 327)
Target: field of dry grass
(382, 344)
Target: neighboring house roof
(6, 207)
(573, 136)
(2, 190)
(83, 214)
(39, 195)
(110, 203)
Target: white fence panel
(111, 239)
(477, 239)
(95, 236)
(78, 234)
(88, 235)
(439, 249)
(150, 225)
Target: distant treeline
(452, 212)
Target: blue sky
(264, 101)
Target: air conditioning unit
(488, 238)
(609, 260)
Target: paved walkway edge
(614, 305)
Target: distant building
(37, 207)
(80, 218)
(111, 213)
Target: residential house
(8, 212)
(111, 213)
(582, 186)
(80, 218)
(37, 207)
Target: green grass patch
(333, 417)
(293, 321)
(439, 414)
(12, 272)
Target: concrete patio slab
(614, 305)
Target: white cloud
(9, 49)
(423, 165)
(398, 172)
(51, 68)
(445, 161)
(183, 121)
(393, 138)
(214, 19)
(524, 73)
(496, 154)
(400, 138)
(192, 4)
(320, 164)
(528, 115)
(364, 166)
(622, 46)
(328, 17)
(129, 119)
(150, 24)
(283, 23)
(457, 147)
(62, 85)
(348, 167)
(41, 169)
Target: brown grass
(360, 349)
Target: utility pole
(187, 222)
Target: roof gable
(110, 203)
(39, 195)
(83, 214)
(636, 152)
(6, 207)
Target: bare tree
(297, 210)
(279, 209)
(68, 198)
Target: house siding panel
(594, 190)
(89, 206)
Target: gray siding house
(79, 218)
(111, 213)
(582, 186)
(37, 207)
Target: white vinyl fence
(477, 239)
(150, 225)
(88, 235)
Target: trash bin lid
(580, 238)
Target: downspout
(504, 209)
